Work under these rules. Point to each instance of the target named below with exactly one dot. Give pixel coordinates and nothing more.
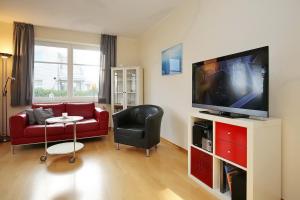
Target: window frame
(70, 46)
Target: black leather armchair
(138, 126)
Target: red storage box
(201, 166)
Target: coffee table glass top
(64, 119)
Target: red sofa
(94, 124)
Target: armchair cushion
(131, 130)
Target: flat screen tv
(237, 83)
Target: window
(50, 70)
(86, 72)
(66, 72)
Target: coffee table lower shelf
(63, 148)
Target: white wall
(213, 28)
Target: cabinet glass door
(131, 83)
(118, 90)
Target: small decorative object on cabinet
(126, 87)
(245, 162)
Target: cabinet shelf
(230, 162)
(244, 144)
(196, 147)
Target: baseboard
(175, 145)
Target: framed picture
(172, 60)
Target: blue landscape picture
(172, 60)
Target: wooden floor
(100, 172)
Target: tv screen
(236, 83)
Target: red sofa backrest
(85, 110)
(58, 108)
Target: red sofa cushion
(58, 108)
(86, 110)
(39, 130)
(85, 125)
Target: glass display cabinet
(126, 87)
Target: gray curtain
(108, 47)
(23, 63)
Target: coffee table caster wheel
(72, 160)
(43, 158)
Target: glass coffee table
(65, 147)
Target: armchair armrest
(152, 127)
(17, 124)
(102, 117)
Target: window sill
(64, 99)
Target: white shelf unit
(126, 87)
(263, 170)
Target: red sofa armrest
(17, 124)
(102, 116)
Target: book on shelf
(229, 176)
(227, 173)
(223, 179)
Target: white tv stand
(251, 145)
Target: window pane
(86, 57)
(50, 80)
(85, 80)
(50, 54)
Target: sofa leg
(155, 146)
(118, 146)
(12, 148)
(147, 152)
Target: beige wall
(6, 35)
(127, 48)
(127, 52)
(61, 35)
(212, 28)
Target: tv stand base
(225, 114)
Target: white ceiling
(122, 17)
